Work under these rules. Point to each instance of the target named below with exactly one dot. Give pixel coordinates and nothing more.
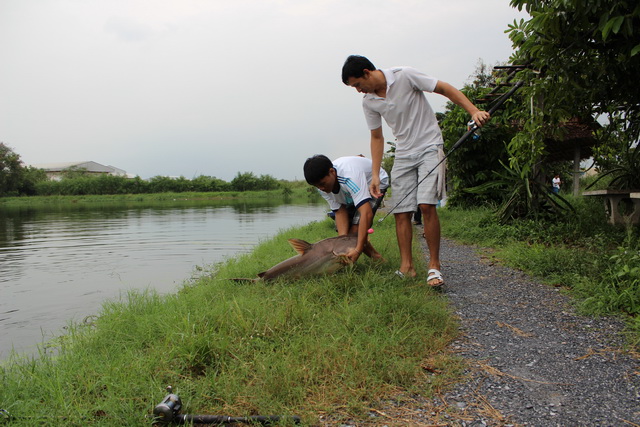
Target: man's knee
(428, 211)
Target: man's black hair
(354, 67)
(316, 168)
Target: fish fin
(300, 246)
(343, 259)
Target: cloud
(126, 29)
(168, 87)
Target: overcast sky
(217, 87)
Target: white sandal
(434, 274)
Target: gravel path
(532, 360)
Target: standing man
(397, 95)
(344, 184)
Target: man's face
(362, 84)
(329, 183)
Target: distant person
(344, 184)
(397, 95)
(555, 184)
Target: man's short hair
(354, 67)
(316, 168)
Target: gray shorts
(405, 175)
(355, 220)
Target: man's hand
(374, 187)
(481, 118)
(478, 116)
(353, 255)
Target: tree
(474, 162)
(31, 177)
(588, 52)
(267, 182)
(10, 170)
(209, 183)
(581, 58)
(246, 181)
(16, 179)
(586, 57)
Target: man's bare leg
(370, 251)
(432, 234)
(404, 234)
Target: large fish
(323, 257)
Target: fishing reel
(167, 411)
(472, 126)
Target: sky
(219, 87)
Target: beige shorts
(408, 171)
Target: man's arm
(342, 221)
(377, 149)
(459, 98)
(366, 218)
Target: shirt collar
(390, 75)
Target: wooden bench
(612, 200)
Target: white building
(55, 171)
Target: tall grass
(329, 346)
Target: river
(61, 263)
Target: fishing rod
(168, 412)
(473, 127)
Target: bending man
(344, 184)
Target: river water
(59, 264)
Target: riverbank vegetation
(18, 180)
(293, 193)
(328, 347)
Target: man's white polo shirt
(406, 110)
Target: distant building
(55, 171)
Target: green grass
(330, 346)
(297, 193)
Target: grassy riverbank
(326, 347)
(292, 193)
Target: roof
(89, 166)
(577, 134)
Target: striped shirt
(354, 177)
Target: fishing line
(473, 127)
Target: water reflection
(62, 262)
